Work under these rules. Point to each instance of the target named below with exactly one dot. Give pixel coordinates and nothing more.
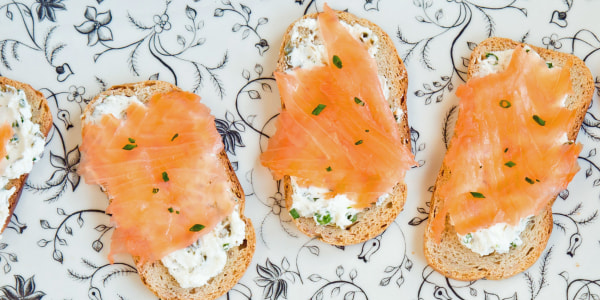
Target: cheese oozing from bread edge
(500, 237)
(306, 50)
(24, 147)
(196, 264)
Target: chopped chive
(171, 210)
(34, 159)
(358, 142)
(505, 103)
(294, 213)
(131, 140)
(197, 227)
(539, 120)
(175, 136)
(527, 50)
(505, 150)
(315, 199)
(165, 176)
(7, 157)
(358, 101)
(177, 212)
(328, 169)
(549, 64)
(487, 55)
(129, 146)
(323, 219)
(537, 180)
(337, 61)
(513, 245)
(477, 195)
(529, 180)
(318, 109)
(468, 238)
(154, 190)
(367, 130)
(510, 164)
(226, 246)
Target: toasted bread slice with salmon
(374, 219)
(450, 257)
(154, 274)
(41, 116)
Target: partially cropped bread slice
(41, 115)
(454, 260)
(375, 219)
(154, 274)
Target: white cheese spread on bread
(306, 50)
(194, 265)
(25, 147)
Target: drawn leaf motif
(254, 95)
(236, 27)
(439, 98)
(339, 271)
(513, 297)
(421, 210)
(57, 161)
(57, 256)
(12, 257)
(80, 221)
(389, 269)
(153, 77)
(335, 291)
(314, 277)
(226, 2)
(61, 241)
(420, 19)
(445, 78)
(43, 242)
(473, 292)
(416, 221)
(490, 296)
(349, 295)
(450, 87)
(592, 153)
(314, 250)
(234, 165)
(219, 12)
(439, 14)
(200, 24)
(68, 230)
(421, 147)
(385, 281)
(588, 172)
(285, 264)
(465, 61)
(3, 246)
(189, 28)
(190, 12)
(180, 40)
(45, 224)
(417, 3)
(246, 74)
(400, 280)
(246, 9)
(564, 194)
(471, 45)
(60, 212)
(409, 264)
(262, 21)
(258, 68)
(597, 182)
(266, 87)
(7, 268)
(353, 274)
(57, 177)
(437, 84)
(427, 86)
(419, 93)
(565, 275)
(97, 245)
(319, 295)
(200, 42)
(245, 34)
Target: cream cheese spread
(25, 147)
(306, 50)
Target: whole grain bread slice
(154, 274)
(41, 115)
(376, 218)
(454, 260)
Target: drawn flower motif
(262, 46)
(46, 9)
(95, 26)
(23, 290)
(161, 23)
(76, 93)
(230, 136)
(270, 278)
(372, 5)
(67, 168)
(553, 41)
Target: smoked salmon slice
(510, 155)
(160, 167)
(6, 133)
(336, 129)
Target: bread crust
(42, 116)
(154, 274)
(375, 219)
(450, 257)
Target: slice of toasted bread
(454, 260)
(154, 274)
(41, 115)
(375, 219)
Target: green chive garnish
(7, 157)
(487, 55)
(318, 109)
(477, 195)
(510, 164)
(328, 169)
(197, 227)
(539, 120)
(505, 104)
(131, 140)
(175, 136)
(358, 101)
(171, 210)
(154, 190)
(529, 180)
(294, 213)
(505, 150)
(549, 65)
(367, 130)
(177, 212)
(129, 146)
(337, 61)
(165, 176)
(358, 142)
